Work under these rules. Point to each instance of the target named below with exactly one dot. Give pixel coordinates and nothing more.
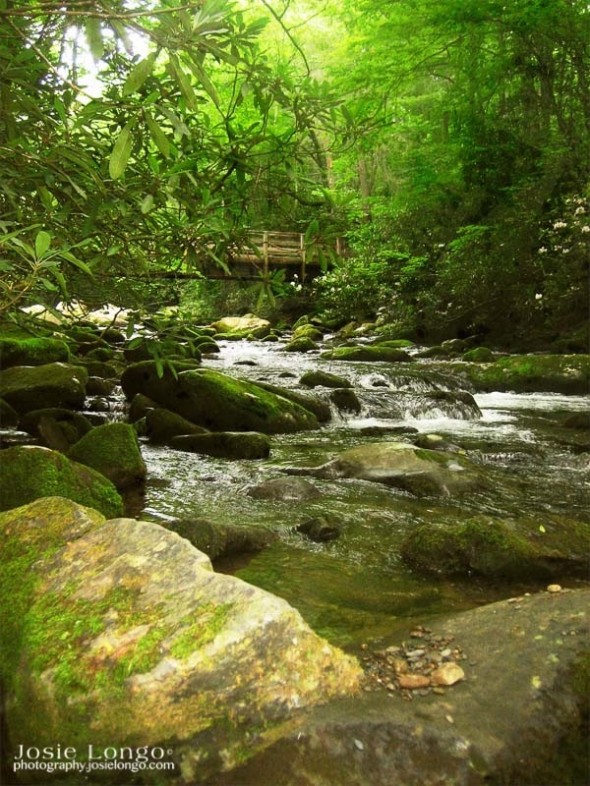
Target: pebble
(414, 681)
(554, 588)
(447, 674)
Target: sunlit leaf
(42, 243)
(184, 84)
(159, 137)
(121, 152)
(201, 75)
(94, 37)
(147, 204)
(139, 74)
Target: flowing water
(356, 588)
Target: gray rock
(346, 400)
(285, 490)
(225, 444)
(219, 540)
(314, 379)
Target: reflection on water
(356, 588)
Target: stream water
(356, 588)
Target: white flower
(542, 250)
(538, 296)
(579, 211)
(586, 229)
(559, 225)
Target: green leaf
(73, 260)
(42, 243)
(159, 137)
(94, 37)
(542, 528)
(199, 72)
(184, 84)
(121, 152)
(147, 204)
(139, 74)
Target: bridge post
(265, 252)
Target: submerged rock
(220, 540)
(225, 444)
(121, 634)
(285, 490)
(375, 353)
(398, 464)
(29, 472)
(525, 693)
(36, 387)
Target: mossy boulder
(315, 405)
(8, 415)
(314, 379)
(301, 344)
(216, 401)
(112, 450)
(97, 386)
(542, 548)
(569, 374)
(308, 331)
(122, 635)
(36, 387)
(162, 425)
(400, 465)
(242, 327)
(479, 355)
(345, 400)
(32, 351)
(394, 343)
(98, 368)
(225, 444)
(377, 354)
(30, 472)
(139, 407)
(221, 540)
(56, 427)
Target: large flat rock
(523, 693)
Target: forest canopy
(447, 140)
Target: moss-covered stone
(139, 407)
(225, 444)
(112, 450)
(394, 343)
(220, 540)
(41, 422)
(28, 473)
(124, 636)
(314, 404)
(345, 400)
(36, 387)
(242, 327)
(162, 425)
(216, 401)
(479, 355)
(377, 354)
(301, 344)
(8, 415)
(98, 368)
(569, 374)
(32, 352)
(313, 379)
(308, 331)
(511, 549)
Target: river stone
(216, 401)
(314, 379)
(345, 400)
(321, 409)
(308, 331)
(285, 490)
(113, 450)
(301, 344)
(8, 415)
(525, 694)
(32, 351)
(398, 464)
(368, 353)
(139, 406)
(447, 674)
(29, 472)
(320, 529)
(35, 387)
(219, 540)
(123, 635)
(225, 444)
(522, 548)
(162, 425)
(243, 327)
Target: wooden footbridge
(262, 252)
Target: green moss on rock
(32, 351)
(113, 450)
(569, 374)
(37, 387)
(225, 444)
(369, 353)
(28, 473)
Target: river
(356, 589)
